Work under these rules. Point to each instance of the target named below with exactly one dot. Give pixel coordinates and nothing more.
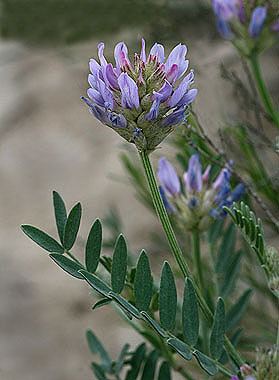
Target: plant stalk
(262, 89)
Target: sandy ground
(48, 140)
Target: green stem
(197, 257)
(74, 258)
(262, 89)
(176, 250)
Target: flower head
(200, 200)
(142, 100)
(257, 21)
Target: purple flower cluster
(231, 12)
(198, 200)
(141, 100)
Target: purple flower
(151, 93)
(235, 377)
(257, 21)
(129, 91)
(193, 177)
(224, 29)
(226, 9)
(168, 177)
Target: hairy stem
(262, 89)
(176, 250)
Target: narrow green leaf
(143, 285)
(136, 362)
(42, 239)
(190, 314)
(235, 313)
(96, 347)
(180, 347)
(102, 302)
(215, 231)
(149, 368)
(118, 365)
(72, 226)
(126, 305)
(167, 298)
(206, 363)
(69, 266)
(93, 247)
(60, 213)
(218, 330)
(98, 372)
(96, 283)
(164, 372)
(154, 324)
(230, 277)
(226, 249)
(119, 265)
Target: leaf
(69, 266)
(206, 363)
(96, 347)
(98, 372)
(167, 298)
(119, 265)
(118, 365)
(150, 366)
(190, 314)
(126, 305)
(42, 239)
(218, 330)
(236, 312)
(154, 324)
(226, 249)
(180, 347)
(102, 302)
(136, 362)
(164, 372)
(93, 247)
(72, 227)
(143, 285)
(233, 270)
(215, 231)
(96, 283)
(60, 213)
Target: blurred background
(48, 140)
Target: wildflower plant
(190, 329)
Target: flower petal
(168, 177)
(257, 21)
(193, 177)
(129, 91)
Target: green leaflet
(60, 214)
(72, 227)
(42, 239)
(230, 276)
(154, 324)
(180, 347)
(150, 366)
(136, 362)
(102, 302)
(143, 285)
(98, 372)
(69, 266)
(96, 347)
(206, 363)
(164, 372)
(97, 284)
(93, 247)
(190, 314)
(236, 312)
(167, 298)
(119, 265)
(118, 365)
(218, 330)
(125, 305)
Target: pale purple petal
(143, 53)
(224, 29)
(181, 90)
(121, 55)
(205, 176)
(188, 98)
(158, 51)
(164, 93)
(168, 177)
(117, 120)
(174, 118)
(172, 73)
(154, 110)
(257, 21)
(129, 91)
(221, 179)
(102, 59)
(96, 97)
(193, 177)
(110, 77)
(94, 66)
(177, 56)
